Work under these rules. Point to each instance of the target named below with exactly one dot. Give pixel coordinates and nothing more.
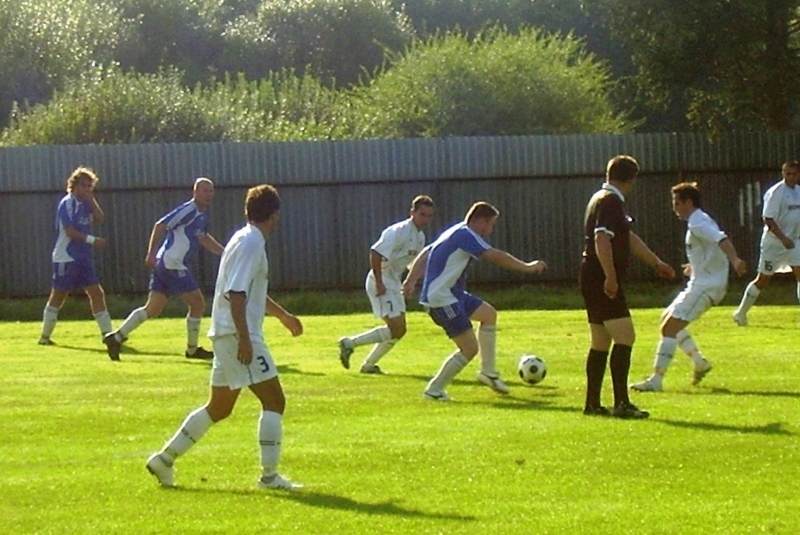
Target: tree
(494, 84)
(727, 63)
(337, 41)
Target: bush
(496, 84)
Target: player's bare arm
(156, 237)
(773, 227)
(508, 261)
(415, 271)
(375, 261)
(290, 321)
(605, 255)
(739, 265)
(238, 302)
(641, 251)
(210, 243)
(76, 235)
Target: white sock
(378, 351)
(487, 342)
(134, 319)
(751, 293)
(192, 332)
(104, 321)
(664, 353)
(191, 431)
(798, 292)
(373, 336)
(688, 346)
(451, 367)
(270, 434)
(49, 320)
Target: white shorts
(774, 257)
(228, 371)
(389, 305)
(693, 301)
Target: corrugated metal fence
(339, 195)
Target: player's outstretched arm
(641, 251)
(511, 262)
(739, 265)
(415, 271)
(210, 243)
(290, 321)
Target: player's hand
(611, 288)
(292, 323)
(687, 269)
(245, 351)
(788, 243)
(380, 288)
(537, 266)
(100, 243)
(740, 267)
(664, 270)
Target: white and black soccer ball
(531, 369)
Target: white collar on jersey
(614, 189)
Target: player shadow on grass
(775, 428)
(330, 501)
(728, 392)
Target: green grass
(375, 458)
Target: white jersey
(710, 264)
(782, 204)
(398, 245)
(243, 268)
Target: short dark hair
(481, 210)
(622, 168)
(421, 200)
(261, 202)
(791, 164)
(688, 190)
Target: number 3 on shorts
(264, 364)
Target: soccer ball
(531, 369)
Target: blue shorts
(454, 319)
(72, 275)
(172, 281)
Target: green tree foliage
(45, 42)
(430, 17)
(726, 63)
(495, 84)
(111, 106)
(335, 40)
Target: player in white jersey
(389, 257)
(711, 254)
(73, 266)
(780, 239)
(173, 243)
(241, 356)
(450, 306)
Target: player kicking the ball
(444, 294)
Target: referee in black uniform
(608, 245)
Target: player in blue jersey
(173, 244)
(444, 294)
(73, 267)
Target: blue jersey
(449, 257)
(186, 224)
(78, 215)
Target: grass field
(722, 457)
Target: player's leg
(796, 271)
(97, 302)
(457, 326)
(623, 334)
(270, 432)
(383, 306)
(487, 343)
(670, 327)
(196, 303)
(156, 301)
(397, 329)
(771, 258)
(596, 362)
(50, 314)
